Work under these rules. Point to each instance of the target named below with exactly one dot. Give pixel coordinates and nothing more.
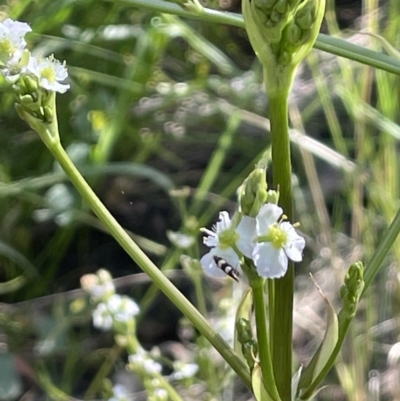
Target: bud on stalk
(282, 32)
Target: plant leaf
(324, 352)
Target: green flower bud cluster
(299, 33)
(282, 32)
(253, 192)
(33, 99)
(353, 286)
(246, 339)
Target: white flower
(49, 72)
(122, 308)
(394, 355)
(273, 241)
(120, 393)
(117, 309)
(180, 240)
(160, 394)
(99, 286)
(142, 361)
(12, 41)
(183, 370)
(102, 317)
(220, 239)
(100, 291)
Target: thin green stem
(146, 264)
(375, 264)
(215, 164)
(262, 338)
(283, 307)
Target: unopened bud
(253, 192)
(353, 286)
(305, 16)
(272, 197)
(246, 339)
(244, 331)
(282, 32)
(48, 114)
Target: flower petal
(212, 238)
(270, 262)
(295, 244)
(224, 222)
(247, 234)
(268, 215)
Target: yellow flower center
(48, 73)
(6, 47)
(276, 236)
(228, 238)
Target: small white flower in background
(49, 72)
(274, 241)
(99, 286)
(180, 240)
(141, 360)
(160, 394)
(122, 308)
(120, 393)
(116, 309)
(100, 291)
(394, 355)
(183, 370)
(102, 317)
(220, 239)
(12, 41)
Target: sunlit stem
(264, 351)
(281, 311)
(147, 265)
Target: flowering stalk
(257, 286)
(281, 310)
(282, 32)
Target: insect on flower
(226, 268)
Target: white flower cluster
(266, 239)
(120, 393)
(142, 361)
(183, 370)
(16, 60)
(112, 310)
(117, 309)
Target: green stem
(375, 264)
(282, 313)
(147, 266)
(262, 338)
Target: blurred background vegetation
(165, 118)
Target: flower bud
(243, 329)
(282, 32)
(246, 339)
(272, 197)
(48, 114)
(253, 192)
(353, 286)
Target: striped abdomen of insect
(226, 268)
